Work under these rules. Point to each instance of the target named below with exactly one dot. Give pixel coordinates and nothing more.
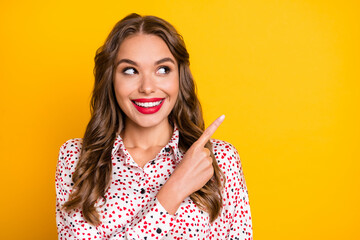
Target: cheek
(123, 88)
(176, 89)
(120, 93)
(172, 88)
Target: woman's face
(146, 80)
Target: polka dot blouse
(132, 210)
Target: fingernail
(222, 117)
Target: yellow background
(285, 74)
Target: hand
(196, 169)
(192, 173)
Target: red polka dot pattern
(132, 210)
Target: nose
(147, 84)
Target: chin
(151, 121)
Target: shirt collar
(173, 144)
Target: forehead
(144, 47)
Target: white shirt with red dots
(133, 212)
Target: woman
(146, 169)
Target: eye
(163, 70)
(129, 71)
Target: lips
(148, 105)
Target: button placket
(142, 182)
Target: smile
(148, 105)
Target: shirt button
(167, 149)
(158, 230)
(142, 191)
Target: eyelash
(167, 70)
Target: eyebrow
(167, 59)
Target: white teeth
(148, 104)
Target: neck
(135, 136)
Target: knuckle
(210, 160)
(205, 152)
(206, 131)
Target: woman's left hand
(192, 173)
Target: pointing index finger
(209, 131)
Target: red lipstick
(148, 105)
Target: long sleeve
(241, 224)
(234, 222)
(70, 225)
(152, 222)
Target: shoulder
(225, 153)
(72, 144)
(69, 153)
(222, 146)
(68, 156)
(229, 162)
